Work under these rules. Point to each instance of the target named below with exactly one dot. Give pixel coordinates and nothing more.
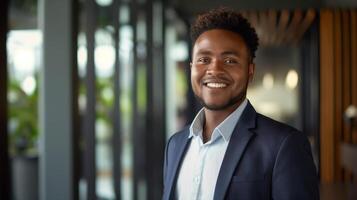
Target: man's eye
(230, 61)
(203, 60)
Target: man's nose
(215, 68)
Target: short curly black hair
(227, 19)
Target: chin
(220, 104)
(223, 105)
(215, 107)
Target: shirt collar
(224, 129)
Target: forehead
(219, 40)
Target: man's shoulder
(182, 134)
(272, 135)
(270, 126)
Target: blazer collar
(180, 147)
(237, 144)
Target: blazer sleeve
(166, 163)
(294, 175)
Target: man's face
(220, 69)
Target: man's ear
(251, 70)
(190, 65)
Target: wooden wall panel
(346, 71)
(353, 37)
(327, 103)
(346, 80)
(337, 89)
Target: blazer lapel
(237, 144)
(180, 148)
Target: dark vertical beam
(134, 97)
(75, 109)
(310, 87)
(5, 183)
(117, 139)
(160, 105)
(156, 75)
(90, 143)
(150, 154)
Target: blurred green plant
(23, 120)
(23, 114)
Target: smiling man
(230, 151)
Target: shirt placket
(197, 177)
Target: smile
(216, 85)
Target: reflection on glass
(104, 2)
(23, 50)
(292, 79)
(126, 77)
(271, 91)
(268, 81)
(104, 58)
(176, 79)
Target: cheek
(195, 81)
(195, 75)
(241, 80)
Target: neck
(214, 117)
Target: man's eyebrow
(207, 52)
(230, 53)
(204, 52)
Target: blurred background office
(90, 90)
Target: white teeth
(216, 85)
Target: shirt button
(197, 179)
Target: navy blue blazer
(265, 159)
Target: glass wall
(177, 73)
(121, 92)
(127, 41)
(23, 44)
(275, 89)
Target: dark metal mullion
(5, 180)
(150, 101)
(135, 116)
(156, 136)
(75, 108)
(160, 139)
(117, 139)
(90, 145)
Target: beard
(236, 100)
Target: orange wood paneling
(346, 70)
(346, 81)
(353, 38)
(327, 79)
(338, 91)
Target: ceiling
(23, 12)
(190, 8)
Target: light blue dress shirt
(199, 170)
